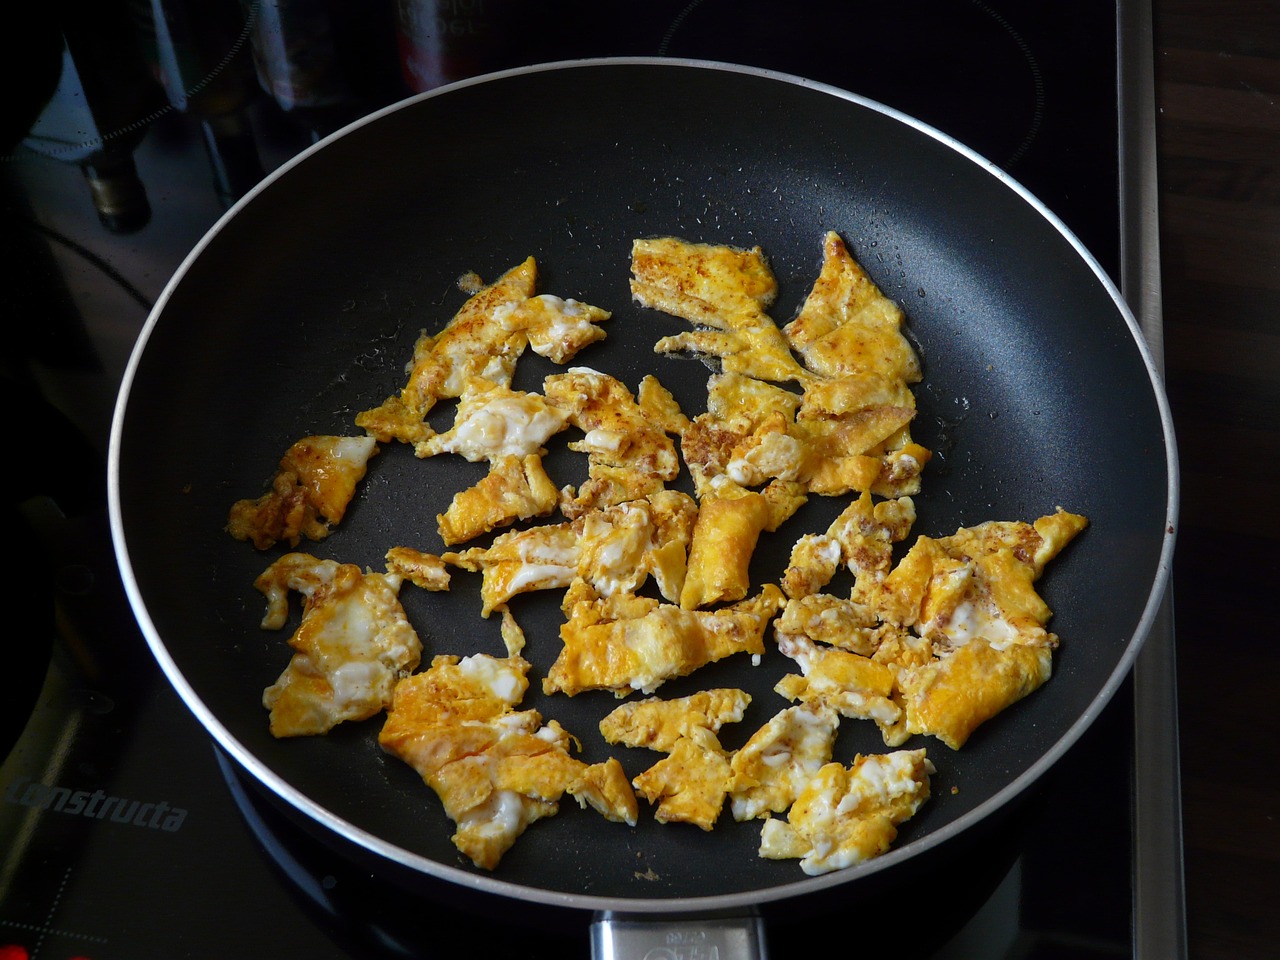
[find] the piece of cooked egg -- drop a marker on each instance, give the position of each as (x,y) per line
(310,492)
(773,766)
(626,643)
(353,645)
(496,770)
(846,815)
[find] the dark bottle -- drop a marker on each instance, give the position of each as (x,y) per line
(445,40)
(324,62)
(103,103)
(200,53)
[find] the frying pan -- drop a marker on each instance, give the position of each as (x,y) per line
(301,306)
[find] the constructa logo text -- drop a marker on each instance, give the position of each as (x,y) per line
(95,804)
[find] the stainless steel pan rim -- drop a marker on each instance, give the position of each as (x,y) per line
(495,885)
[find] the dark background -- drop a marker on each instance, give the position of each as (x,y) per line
(1217,78)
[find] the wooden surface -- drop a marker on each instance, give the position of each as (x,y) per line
(1218,96)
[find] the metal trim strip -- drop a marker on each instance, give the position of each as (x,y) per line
(1159,914)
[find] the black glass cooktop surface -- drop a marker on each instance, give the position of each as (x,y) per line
(123,831)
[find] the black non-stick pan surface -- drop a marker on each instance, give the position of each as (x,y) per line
(301,308)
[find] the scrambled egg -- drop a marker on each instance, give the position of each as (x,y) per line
(425,570)
(723,290)
(847,327)
(495,769)
(937,645)
(542,557)
(493,421)
(626,438)
(473,344)
(627,643)
(621,546)
(772,768)
(861,540)
(353,644)
(607,551)
(730,521)
(736,405)
(849,683)
(689,785)
(848,427)
(515,488)
(313,485)
(846,815)
(828,619)
(934,644)
(483,341)
(971,596)
(557,329)
(658,724)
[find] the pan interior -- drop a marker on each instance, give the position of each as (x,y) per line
(303,306)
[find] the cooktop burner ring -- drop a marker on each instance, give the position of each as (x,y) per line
(1013,87)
